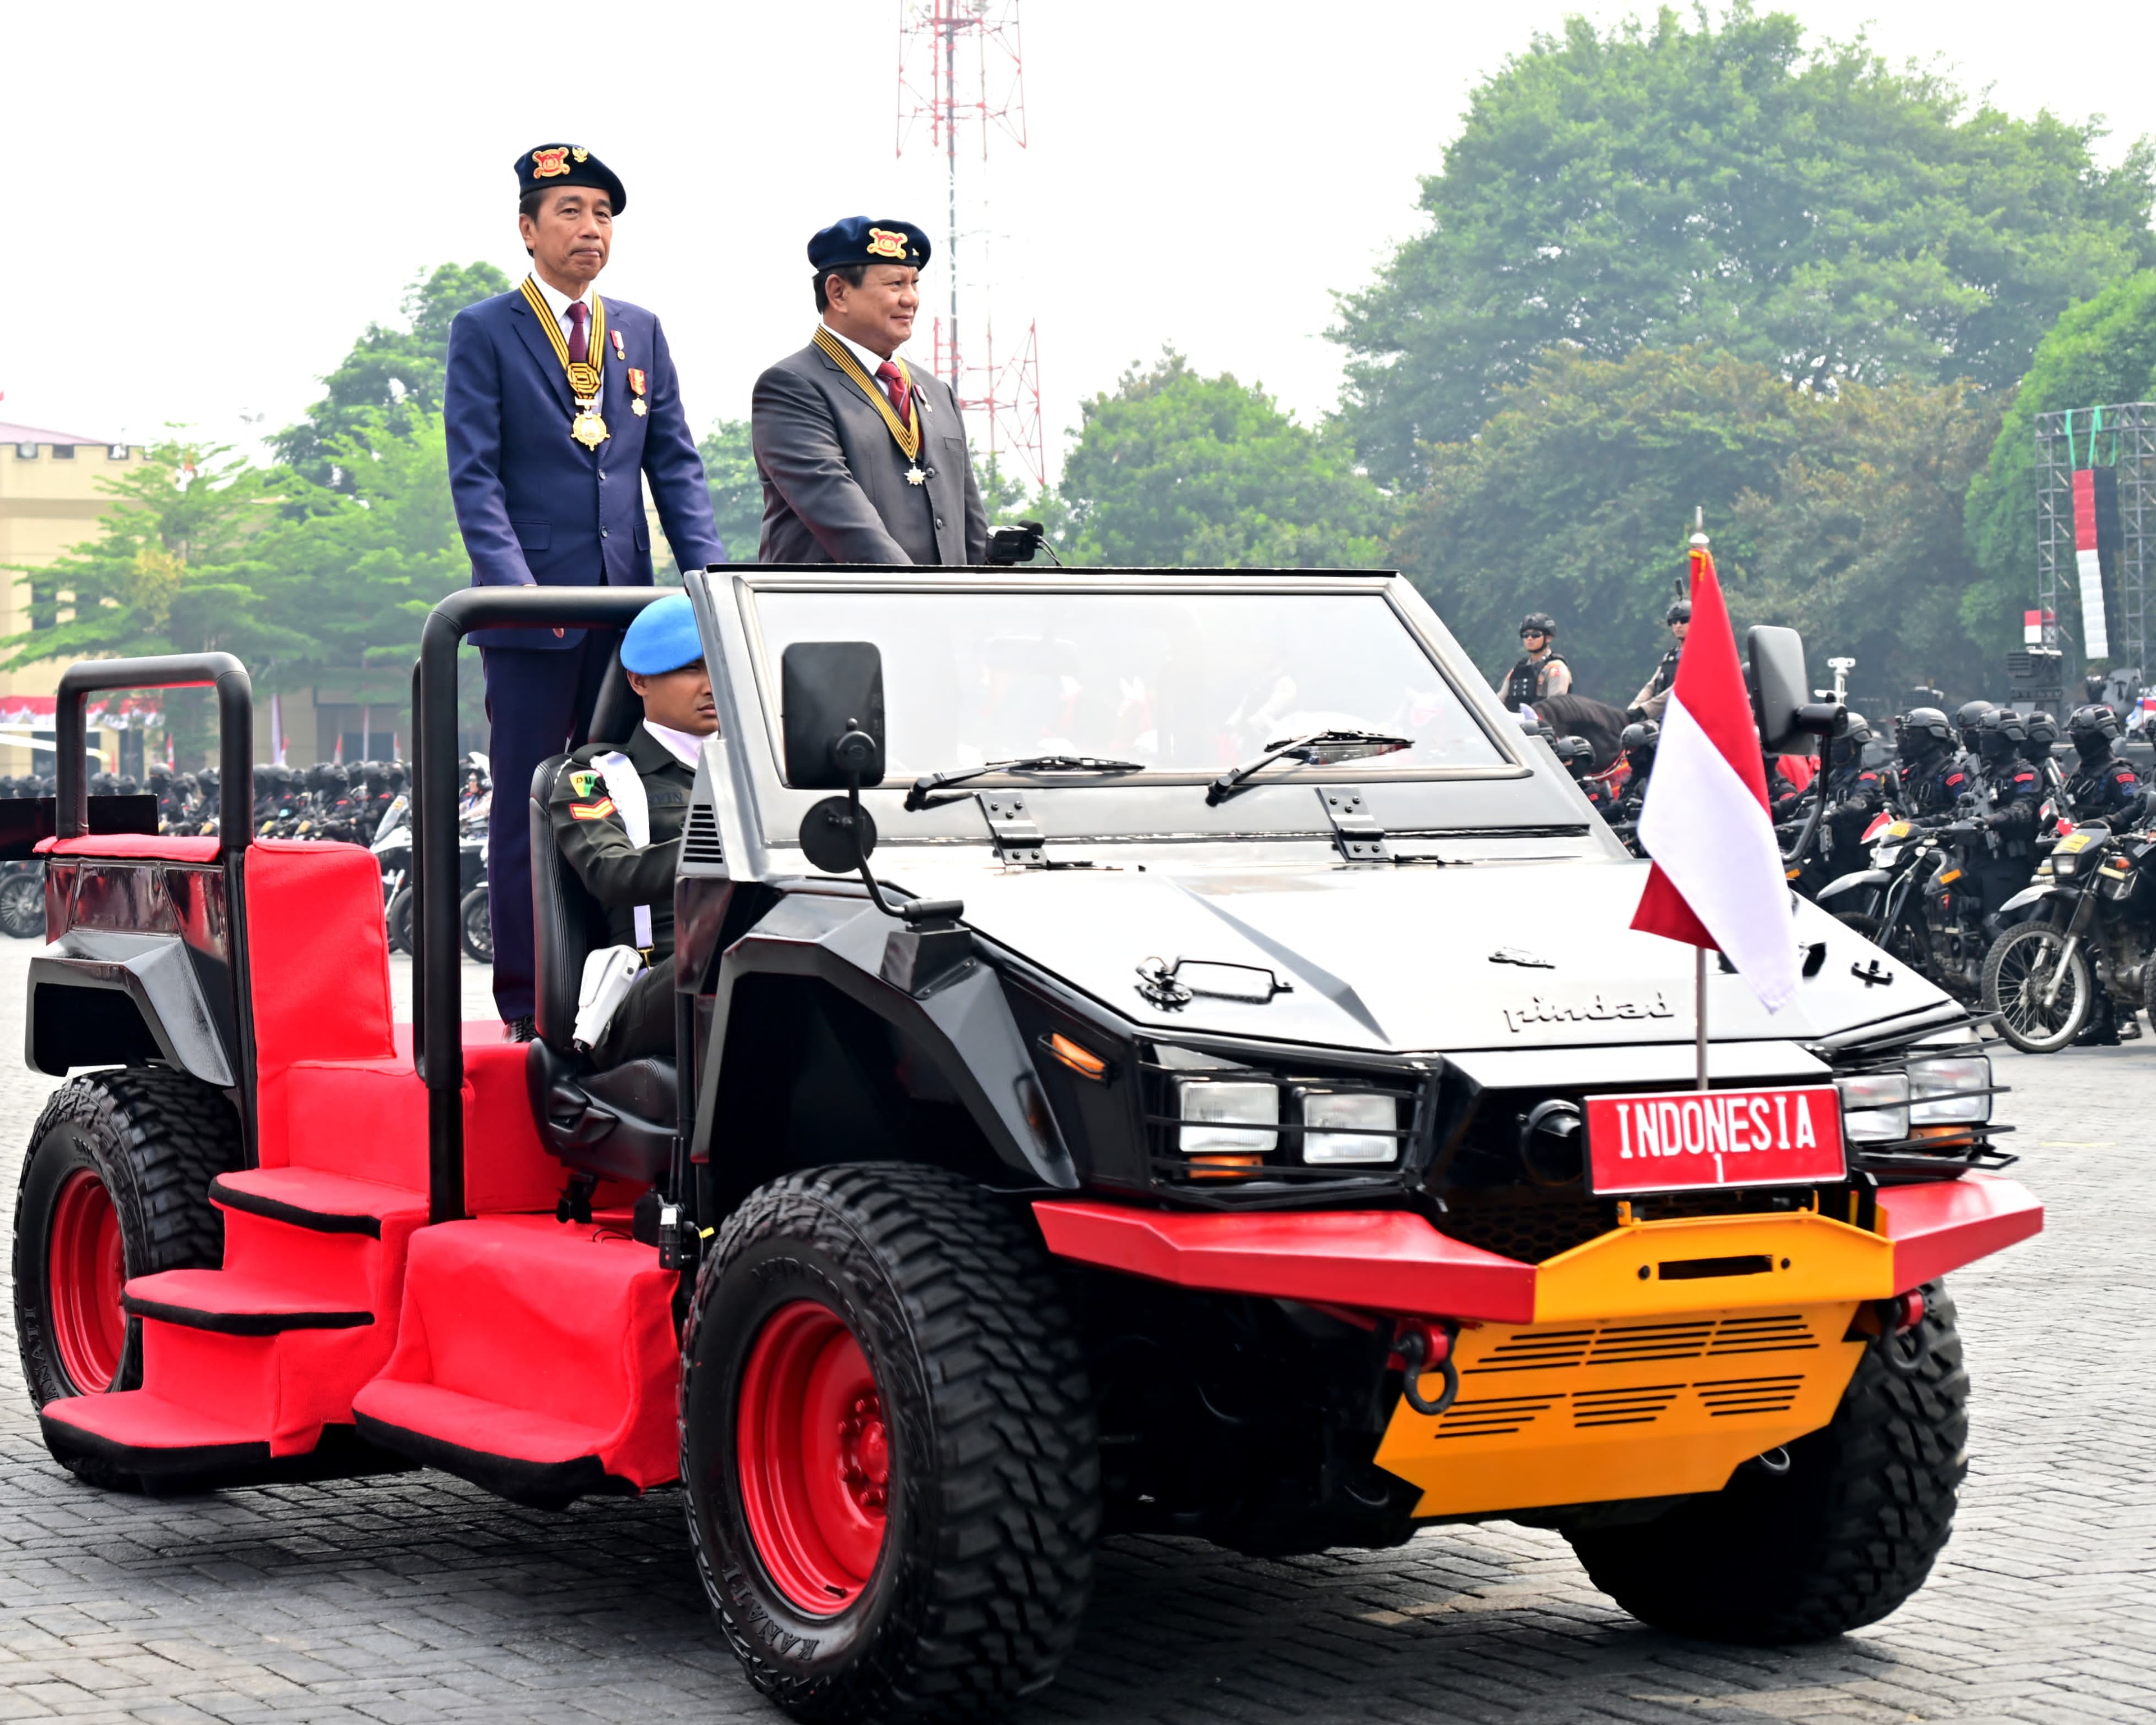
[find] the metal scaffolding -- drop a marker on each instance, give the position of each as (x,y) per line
(2121,436)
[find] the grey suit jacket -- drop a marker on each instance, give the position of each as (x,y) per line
(834,488)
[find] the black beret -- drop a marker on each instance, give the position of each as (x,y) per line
(567,164)
(859,239)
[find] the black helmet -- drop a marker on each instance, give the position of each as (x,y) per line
(1855,737)
(1968,720)
(1920,730)
(2042,734)
(1577,753)
(1999,731)
(1540,623)
(1640,739)
(1679,611)
(2093,729)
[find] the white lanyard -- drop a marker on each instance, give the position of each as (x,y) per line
(626,786)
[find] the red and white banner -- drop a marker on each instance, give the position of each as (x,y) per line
(1716,879)
(1678,1139)
(2088,565)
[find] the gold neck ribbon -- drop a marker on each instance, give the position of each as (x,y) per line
(908,436)
(583,374)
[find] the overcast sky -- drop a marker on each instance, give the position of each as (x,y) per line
(212,200)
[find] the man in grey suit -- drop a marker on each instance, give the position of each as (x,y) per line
(862,461)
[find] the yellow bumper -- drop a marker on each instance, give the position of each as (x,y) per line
(1661,1357)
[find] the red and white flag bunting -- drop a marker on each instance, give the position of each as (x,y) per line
(1717,879)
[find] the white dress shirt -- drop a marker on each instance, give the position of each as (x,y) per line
(870,360)
(559,303)
(683,745)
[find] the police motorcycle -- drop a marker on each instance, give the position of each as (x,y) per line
(391,845)
(1939,875)
(2083,952)
(23,882)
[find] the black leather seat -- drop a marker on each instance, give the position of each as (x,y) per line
(618,1123)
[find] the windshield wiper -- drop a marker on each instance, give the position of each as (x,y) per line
(1320,748)
(917,798)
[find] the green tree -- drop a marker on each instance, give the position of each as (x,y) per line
(2100,351)
(1812,210)
(1836,514)
(392,371)
(737,489)
(1176,469)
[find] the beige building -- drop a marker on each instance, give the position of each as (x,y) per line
(50,500)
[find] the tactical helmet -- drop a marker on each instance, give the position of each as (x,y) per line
(1679,611)
(1640,739)
(2043,732)
(1538,622)
(1999,731)
(1921,730)
(1968,720)
(1855,737)
(2093,729)
(1577,753)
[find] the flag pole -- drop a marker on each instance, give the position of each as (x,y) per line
(1699,954)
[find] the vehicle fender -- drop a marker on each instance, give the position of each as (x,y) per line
(102,997)
(2031,895)
(1864,879)
(959,1018)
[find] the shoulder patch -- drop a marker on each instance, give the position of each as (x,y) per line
(582,784)
(592,811)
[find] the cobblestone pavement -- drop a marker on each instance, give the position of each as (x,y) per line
(414,1597)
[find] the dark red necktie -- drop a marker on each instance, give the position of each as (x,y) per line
(580,347)
(887,373)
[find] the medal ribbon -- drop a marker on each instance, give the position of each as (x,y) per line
(583,375)
(908,437)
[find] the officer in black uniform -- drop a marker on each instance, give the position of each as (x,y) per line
(2000,844)
(1855,797)
(1541,668)
(2103,786)
(1578,755)
(635,882)
(1639,744)
(1653,694)
(1933,780)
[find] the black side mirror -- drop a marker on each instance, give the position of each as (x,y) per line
(831,695)
(1782,705)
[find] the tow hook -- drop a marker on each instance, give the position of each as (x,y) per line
(1902,1315)
(1423,1345)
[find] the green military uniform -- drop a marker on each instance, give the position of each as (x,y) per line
(593,840)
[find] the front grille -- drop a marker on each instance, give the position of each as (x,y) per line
(700,838)
(1498,1417)
(1593,1408)
(1728,1396)
(1624,1344)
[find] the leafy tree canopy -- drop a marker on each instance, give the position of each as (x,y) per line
(1839,515)
(2100,351)
(391,371)
(1176,469)
(1811,210)
(737,491)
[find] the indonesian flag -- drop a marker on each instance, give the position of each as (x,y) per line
(1717,879)
(2088,563)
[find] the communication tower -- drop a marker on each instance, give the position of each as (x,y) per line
(959,63)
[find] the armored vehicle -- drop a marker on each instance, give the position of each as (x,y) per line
(1153,1051)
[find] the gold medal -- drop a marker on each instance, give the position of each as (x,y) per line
(585,377)
(637,408)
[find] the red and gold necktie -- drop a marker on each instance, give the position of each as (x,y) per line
(894,388)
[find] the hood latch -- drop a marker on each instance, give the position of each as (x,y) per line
(1356,833)
(1011,826)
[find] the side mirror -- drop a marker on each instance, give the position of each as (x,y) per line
(1782,705)
(831,697)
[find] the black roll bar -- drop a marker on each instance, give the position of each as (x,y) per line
(438,1035)
(235,730)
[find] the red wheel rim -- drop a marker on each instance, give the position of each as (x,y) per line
(815,1458)
(84,1271)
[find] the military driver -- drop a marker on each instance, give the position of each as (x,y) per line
(623,853)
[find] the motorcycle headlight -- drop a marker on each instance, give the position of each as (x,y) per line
(1953,1091)
(1356,1126)
(1227,1115)
(1874,1108)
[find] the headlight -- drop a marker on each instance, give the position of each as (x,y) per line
(1361,1114)
(1955,1091)
(1875,1109)
(1227,1115)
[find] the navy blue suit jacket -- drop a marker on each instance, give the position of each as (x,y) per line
(535,506)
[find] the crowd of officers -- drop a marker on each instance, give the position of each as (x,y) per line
(327,800)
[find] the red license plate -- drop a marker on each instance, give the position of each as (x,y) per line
(1673,1141)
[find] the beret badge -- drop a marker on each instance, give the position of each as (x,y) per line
(550,164)
(884,244)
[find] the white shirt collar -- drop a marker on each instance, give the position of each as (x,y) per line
(869,358)
(559,302)
(683,745)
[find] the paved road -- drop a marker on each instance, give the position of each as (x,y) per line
(418,1597)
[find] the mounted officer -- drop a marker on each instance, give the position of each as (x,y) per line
(1653,694)
(560,407)
(862,461)
(2103,786)
(1541,668)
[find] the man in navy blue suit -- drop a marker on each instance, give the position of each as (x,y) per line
(560,406)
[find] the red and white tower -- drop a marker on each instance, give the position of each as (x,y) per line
(959,63)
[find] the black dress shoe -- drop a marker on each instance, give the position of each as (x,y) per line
(519,1029)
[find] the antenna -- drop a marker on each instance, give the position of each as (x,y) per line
(959,63)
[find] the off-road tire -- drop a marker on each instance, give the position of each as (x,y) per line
(2007,951)
(398,920)
(995,1495)
(475,925)
(1841,1539)
(22,904)
(155,1138)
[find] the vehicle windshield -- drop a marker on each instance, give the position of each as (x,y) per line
(1179,682)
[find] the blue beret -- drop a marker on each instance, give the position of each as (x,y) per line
(663,637)
(862,239)
(567,164)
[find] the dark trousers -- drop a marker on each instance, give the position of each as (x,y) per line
(644,1023)
(538,704)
